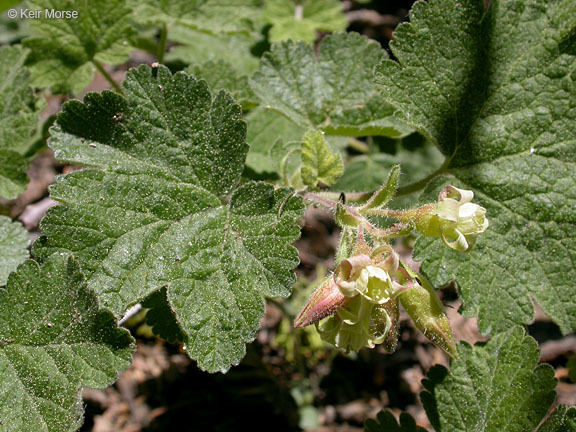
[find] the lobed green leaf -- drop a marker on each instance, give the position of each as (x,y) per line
(494,387)
(333,92)
(161,207)
(54,340)
(63,51)
(18,121)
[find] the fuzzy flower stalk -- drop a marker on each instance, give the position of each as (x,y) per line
(358,305)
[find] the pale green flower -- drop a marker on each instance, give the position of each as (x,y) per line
(455,219)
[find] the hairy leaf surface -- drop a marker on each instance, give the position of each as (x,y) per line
(54,340)
(162,208)
(18,120)
(267,129)
(299,20)
(221,75)
(495,89)
(13,247)
(213,16)
(63,50)
(495,387)
(334,92)
(563,419)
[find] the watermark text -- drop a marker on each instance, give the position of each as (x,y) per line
(42,13)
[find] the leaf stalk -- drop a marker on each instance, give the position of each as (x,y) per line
(106,75)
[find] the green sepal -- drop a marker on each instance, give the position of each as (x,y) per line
(343,218)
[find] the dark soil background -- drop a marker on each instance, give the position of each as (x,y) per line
(289,380)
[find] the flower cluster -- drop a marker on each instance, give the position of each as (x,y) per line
(361,300)
(358,305)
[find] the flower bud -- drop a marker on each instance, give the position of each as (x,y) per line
(454,218)
(324,301)
(427,312)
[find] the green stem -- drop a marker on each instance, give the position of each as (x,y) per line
(162,43)
(358,145)
(107,76)
(421,184)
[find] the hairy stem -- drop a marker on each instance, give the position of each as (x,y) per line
(325,202)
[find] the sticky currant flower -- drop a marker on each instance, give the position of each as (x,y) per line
(357,306)
(362,323)
(362,297)
(454,218)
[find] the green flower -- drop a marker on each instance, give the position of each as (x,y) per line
(358,306)
(362,323)
(454,218)
(362,299)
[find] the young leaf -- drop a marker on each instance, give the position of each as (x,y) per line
(385,422)
(334,92)
(162,208)
(495,89)
(299,20)
(64,52)
(18,121)
(54,340)
(319,162)
(221,75)
(496,387)
(13,247)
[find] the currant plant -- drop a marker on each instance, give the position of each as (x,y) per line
(194,182)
